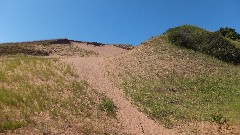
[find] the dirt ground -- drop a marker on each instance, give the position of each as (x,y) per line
(91,69)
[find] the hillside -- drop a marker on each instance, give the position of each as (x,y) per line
(185,81)
(60,47)
(179,87)
(65,91)
(42,95)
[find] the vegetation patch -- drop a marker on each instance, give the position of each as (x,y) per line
(43,95)
(10,126)
(228,33)
(177,99)
(204,41)
(21,49)
(175,85)
(108,107)
(43,49)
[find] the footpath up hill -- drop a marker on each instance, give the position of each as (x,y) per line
(66,93)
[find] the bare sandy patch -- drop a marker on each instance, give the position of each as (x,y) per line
(92,70)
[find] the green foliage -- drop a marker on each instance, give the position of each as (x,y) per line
(228,33)
(108,107)
(218,118)
(10,125)
(204,41)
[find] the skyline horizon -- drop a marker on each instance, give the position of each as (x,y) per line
(106,21)
(77,40)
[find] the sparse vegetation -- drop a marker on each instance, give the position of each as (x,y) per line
(173,78)
(176,85)
(42,48)
(68,50)
(44,94)
(124,46)
(21,49)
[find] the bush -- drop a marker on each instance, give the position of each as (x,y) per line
(204,41)
(228,33)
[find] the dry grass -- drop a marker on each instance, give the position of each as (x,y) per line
(43,96)
(236,43)
(67,50)
(178,86)
(40,49)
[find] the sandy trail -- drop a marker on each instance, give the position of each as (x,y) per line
(91,69)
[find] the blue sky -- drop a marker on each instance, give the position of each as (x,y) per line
(110,21)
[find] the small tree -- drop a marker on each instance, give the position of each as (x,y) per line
(228,33)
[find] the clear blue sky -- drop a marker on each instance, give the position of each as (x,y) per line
(110,21)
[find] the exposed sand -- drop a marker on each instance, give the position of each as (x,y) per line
(91,69)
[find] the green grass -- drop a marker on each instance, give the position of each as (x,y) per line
(176,98)
(10,125)
(10,97)
(34,87)
(2,76)
(175,85)
(108,107)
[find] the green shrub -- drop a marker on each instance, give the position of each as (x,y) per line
(204,41)
(228,33)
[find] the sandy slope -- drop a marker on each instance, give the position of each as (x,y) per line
(91,69)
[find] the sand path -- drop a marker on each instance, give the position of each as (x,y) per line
(91,69)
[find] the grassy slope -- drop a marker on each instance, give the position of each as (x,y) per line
(42,95)
(40,49)
(210,43)
(176,85)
